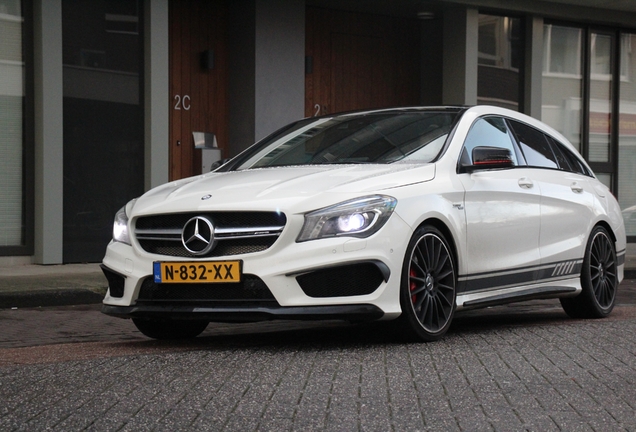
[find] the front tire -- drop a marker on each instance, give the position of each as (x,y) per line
(599,279)
(428,286)
(169,329)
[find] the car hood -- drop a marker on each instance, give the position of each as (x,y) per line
(278,187)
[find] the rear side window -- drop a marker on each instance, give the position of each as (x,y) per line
(568,160)
(534,145)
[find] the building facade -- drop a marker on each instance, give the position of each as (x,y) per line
(99,100)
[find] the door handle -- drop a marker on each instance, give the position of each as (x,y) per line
(576,188)
(525,183)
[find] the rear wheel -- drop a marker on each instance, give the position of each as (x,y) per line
(599,279)
(428,286)
(169,329)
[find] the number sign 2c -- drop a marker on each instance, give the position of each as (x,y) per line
(182,102)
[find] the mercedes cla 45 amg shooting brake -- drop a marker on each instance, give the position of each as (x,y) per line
(406,215)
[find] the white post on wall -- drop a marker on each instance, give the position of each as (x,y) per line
(461,31)
(156,93)
(49,137)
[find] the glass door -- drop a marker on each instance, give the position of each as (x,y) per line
(103,120)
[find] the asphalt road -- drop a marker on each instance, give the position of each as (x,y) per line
(520,367)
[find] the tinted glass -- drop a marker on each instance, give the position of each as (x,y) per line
(488,132)
(356,138)
(627,133)
(500,53)
(103,120)
(12,106)
(562,81)
(534,146)
(567,160)
(562,160)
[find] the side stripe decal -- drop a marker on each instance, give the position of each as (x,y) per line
(563,268)
(521,276)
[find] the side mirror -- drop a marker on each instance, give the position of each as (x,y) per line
(485,158)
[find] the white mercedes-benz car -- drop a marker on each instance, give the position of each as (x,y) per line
(400,214)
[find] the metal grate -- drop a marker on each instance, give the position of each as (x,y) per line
(252,288)
(343,281)
(236,233)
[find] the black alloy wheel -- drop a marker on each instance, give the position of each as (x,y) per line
(599,279)
(428,286)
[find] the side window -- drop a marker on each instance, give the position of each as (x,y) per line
(534,145)
(563,161)
(571,162)
(488,132)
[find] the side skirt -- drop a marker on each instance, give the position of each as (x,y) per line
(494,297)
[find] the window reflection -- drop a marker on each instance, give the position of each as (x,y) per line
(12,227)
(103,120)
(500,54)
(562,80)
(627,135)
(600,97)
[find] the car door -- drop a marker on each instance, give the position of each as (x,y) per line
(567,198)
(502,208)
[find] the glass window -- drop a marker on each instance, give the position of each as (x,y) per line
(562,82)
(356,138)
(562,160)
(600,97)
(12,103)
(103,120)
(627,135)
(500,48)
(488,132)
(534,145)
(561,50)
(566,159)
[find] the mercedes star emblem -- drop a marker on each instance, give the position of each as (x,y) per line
(198,235)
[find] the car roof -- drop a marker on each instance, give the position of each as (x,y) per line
(449,108)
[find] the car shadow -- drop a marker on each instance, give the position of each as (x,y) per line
(339,334)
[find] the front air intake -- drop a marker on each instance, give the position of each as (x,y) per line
(342,281)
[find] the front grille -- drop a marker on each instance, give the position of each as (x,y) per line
(236,233)
(343,281)
(251,289)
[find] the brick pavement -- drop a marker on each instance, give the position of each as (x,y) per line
(521,367)
(576,376)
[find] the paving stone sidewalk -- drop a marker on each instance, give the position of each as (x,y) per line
(548,376)
(519,367)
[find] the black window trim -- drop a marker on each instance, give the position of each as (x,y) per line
(560,146)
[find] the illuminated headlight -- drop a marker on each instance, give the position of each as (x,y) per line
(360,217)
(120,227)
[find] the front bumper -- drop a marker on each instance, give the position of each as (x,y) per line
(246,313)
(321,279)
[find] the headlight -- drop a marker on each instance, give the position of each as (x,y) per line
(120,226)
(360,217)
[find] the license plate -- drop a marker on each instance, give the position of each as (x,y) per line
(197,272)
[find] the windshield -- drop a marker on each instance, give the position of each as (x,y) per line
(380,138)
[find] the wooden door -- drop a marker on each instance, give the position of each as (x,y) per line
(359,61)
(198,87)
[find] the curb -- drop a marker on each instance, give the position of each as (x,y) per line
(44,298)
